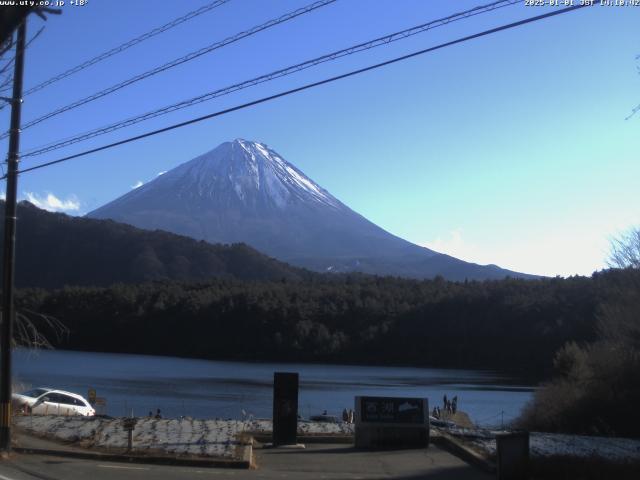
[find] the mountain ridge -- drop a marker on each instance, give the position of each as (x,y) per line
(244,191)
(55,249)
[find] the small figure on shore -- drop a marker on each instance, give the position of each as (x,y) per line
(434,413)
(350,415)
(444,401)
(150,414)
(345,416)
(324,412)
(158,415)
(454,404)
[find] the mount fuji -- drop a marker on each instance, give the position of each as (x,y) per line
(245,192)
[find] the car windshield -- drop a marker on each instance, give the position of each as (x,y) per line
(36,392)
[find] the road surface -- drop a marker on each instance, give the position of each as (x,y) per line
(318,461)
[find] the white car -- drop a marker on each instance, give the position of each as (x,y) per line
(48,401)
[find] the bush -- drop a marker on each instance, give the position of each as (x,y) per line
(597,386)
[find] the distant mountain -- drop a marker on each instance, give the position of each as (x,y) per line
(245,192)
(54,249)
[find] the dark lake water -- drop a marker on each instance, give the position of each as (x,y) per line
(215,389)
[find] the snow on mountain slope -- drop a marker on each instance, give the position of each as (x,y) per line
(248,171)
(244,191)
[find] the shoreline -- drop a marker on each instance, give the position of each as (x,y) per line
(524,380)
(210,389)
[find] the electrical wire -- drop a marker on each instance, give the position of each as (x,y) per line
(308,86)
(121,48)
(380,41)
(178,61)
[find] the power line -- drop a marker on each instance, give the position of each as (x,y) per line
(178,61)
(380,41)
(121,48)
(306,87)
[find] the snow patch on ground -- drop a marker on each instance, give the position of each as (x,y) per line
(545,445)
(210,438)
(304,427)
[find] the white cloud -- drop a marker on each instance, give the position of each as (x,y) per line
(138,184)
(52,203)
(3,196)
(162,173)
(454,245)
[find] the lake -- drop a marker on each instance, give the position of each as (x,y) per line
(218,389)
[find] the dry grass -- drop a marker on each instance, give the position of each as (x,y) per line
(459,418)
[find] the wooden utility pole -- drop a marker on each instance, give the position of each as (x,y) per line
(8,257)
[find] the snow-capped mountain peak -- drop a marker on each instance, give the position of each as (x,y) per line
(251,172)
(244,191)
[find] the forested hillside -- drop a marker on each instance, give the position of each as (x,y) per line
(501,324)
(53,250)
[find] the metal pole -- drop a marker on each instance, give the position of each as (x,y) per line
(8,258)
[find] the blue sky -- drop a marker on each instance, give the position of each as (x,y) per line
(511,149)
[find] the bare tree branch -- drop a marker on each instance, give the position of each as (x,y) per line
(29,328)
(625,250)
(635,109)
(6,46)
(6,82)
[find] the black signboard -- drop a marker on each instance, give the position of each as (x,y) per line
(391,410)
(285,408)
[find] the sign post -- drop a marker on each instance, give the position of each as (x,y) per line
(100,404)
(129,424)
(91,396)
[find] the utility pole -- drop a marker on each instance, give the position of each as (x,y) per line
(8,257)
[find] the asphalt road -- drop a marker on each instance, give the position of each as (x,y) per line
(317,461)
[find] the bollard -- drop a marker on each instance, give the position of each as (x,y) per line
(512,455)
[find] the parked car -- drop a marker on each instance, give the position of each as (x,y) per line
(49,401)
